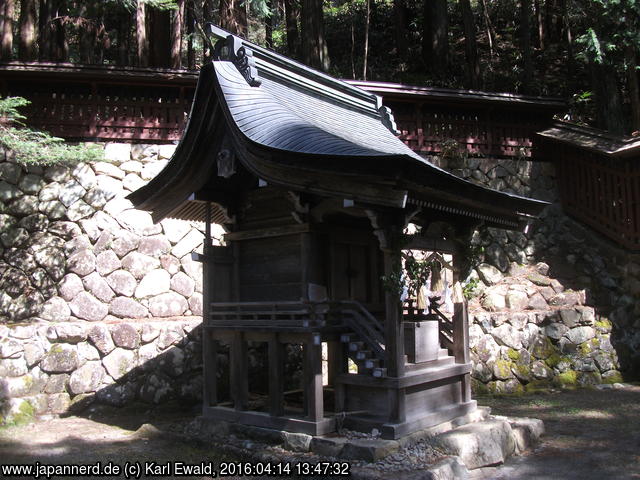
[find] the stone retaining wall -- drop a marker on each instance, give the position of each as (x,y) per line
(54,368)
(574,319)
(73,248)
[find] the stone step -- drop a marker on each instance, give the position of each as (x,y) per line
(372,363)
(491,441)
(348,337)
(363,354)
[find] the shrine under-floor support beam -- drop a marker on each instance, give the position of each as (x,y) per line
(239,371)
(314,403)
(276,376)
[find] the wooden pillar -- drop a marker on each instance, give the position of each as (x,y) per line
(313,379)
(337,360)
(305,263)
(396,401)
(461,344)
(209,345)
(210,372)
(338,364)
(394,333)
(239,372)
(461,332)
(276,376)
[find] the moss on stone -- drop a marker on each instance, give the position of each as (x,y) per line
(615,377)
(493,388)
(523,371)
(604,324)
(502,369)
(517,389)
(478,388)
(585,348)
(543,348)
(568,379)
(513,354)
(553,360)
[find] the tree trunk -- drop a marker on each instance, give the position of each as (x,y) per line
(571,77)
(353,49)
(400,16)
(160,31)
(553,16)
(60,52)
(489,27)
(634,89)
(608,100)
(366,40)
(471,48)
(292,12)
(27,22)
(314,45)
(541,25)
(176,38)
(124,36)
(87,35)
(268,23)
(191,57)
(141,35)
(44,30)
(207,16)
(525,45)
(233,17)
(6,29)
(435,40)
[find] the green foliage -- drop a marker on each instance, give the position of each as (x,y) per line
(470,287)
(35,147)
(394,282)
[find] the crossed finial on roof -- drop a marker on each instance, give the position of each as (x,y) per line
(240,56)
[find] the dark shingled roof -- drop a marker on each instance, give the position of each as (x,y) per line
(299,128)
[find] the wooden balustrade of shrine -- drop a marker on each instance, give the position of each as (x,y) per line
(150,105)
(598,178)
(102,103)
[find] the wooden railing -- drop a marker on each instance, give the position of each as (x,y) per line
(102,103)
(267,315)
(598,179)
(488,124)
(363,323)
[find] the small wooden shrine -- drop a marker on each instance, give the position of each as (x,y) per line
(306,174)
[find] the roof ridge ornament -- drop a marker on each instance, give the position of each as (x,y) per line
(232,49)
(386,116)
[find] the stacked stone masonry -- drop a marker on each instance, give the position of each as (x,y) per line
(73,248)
(556,305)
(552,306)
(68,366)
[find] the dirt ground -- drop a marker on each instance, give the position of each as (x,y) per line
(591,434)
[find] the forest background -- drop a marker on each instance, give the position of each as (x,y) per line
(586,51)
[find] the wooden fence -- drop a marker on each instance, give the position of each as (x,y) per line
(495,125)
(598,179)
(151,105)
(102,103)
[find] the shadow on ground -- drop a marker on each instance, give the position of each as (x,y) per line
(590,435)
(144,437)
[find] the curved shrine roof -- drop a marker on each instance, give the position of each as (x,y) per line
(301,129)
